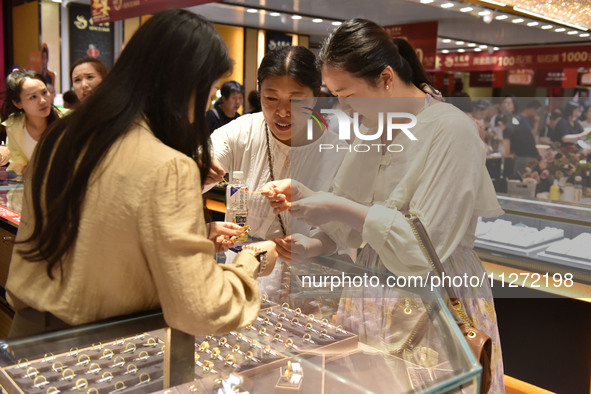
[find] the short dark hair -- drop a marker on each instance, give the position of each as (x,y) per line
(230,87)
(98,65)
(70,97)
(535,104)
(364,49)
(296,62)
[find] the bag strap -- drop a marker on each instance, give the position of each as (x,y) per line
(431,254)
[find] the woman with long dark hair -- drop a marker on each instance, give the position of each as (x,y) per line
(113,218)
(439,176)
(27,112)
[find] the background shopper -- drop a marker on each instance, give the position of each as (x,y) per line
(86,74)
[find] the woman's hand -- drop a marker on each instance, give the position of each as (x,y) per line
(4,156)
(283,192)
(297,247)
(223,234)
(270,256)
(216,173)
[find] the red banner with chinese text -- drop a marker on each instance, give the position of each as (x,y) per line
(113,10)
(422,36)
(572,56)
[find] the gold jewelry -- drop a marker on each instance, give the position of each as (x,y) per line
(324,323)
(131,368)
(269,311)
(81,384)
(94,368)
(118,361)
(282,316)
(84,359)
(106,377)
(207,366)
(248,355)
(236,349)
(222,341)
(143,356)
(285,306)
(119,385)
(278,326)
(204,346)
(92,390)
(40,381)
(57,366)
(130,347)
(295,321)
(152,342)
(107,353)
(48,357)
(144,377)
(263,331)
(277,337)
(31,372)
(215,353)
(68,374)
(310,317)
(289,343)
(197,357)
(230,360)
(264,298)
(297,312)
(307,338)
(239,337)
(52,390)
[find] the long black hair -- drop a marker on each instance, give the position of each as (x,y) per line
(364,49)
(170,61)
(296,62)
(14,88)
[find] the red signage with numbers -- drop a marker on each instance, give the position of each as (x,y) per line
(113,10)
(511,59)
(422,36)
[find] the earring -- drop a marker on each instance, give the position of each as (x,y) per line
(387,87)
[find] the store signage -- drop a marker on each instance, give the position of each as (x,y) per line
(422,36)
(114,10)
(274,40)
(524,77)
(522,58)
(10,215)
(88,39)
(586,78)
(482,79)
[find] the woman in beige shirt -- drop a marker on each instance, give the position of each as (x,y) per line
(112,221)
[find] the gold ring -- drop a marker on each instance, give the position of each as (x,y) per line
(239,337)
(81,384)
(52,390)
(118,361)
(323,332)
(96,347)
(236,349)
(84,359)
(207,366)
(339,328)
(57,366)
(218,381)
(311,317)
(22,362)
(309,326)
(92,390)
(264,298)
(215,353)
(289,343)
(277,337)
(120,341)
(68,375)
(204,346)
(324,323)
(152,342)
(248,327)
(48,357)
(282,316)
(248,355)
(222,341)
(131,368)
(40,381)
(295,321)
(197,357)
(269,311)
(108,354)
(262,331)
(267,349)
(307,338)
(73,352)
(94,368)
(107,376)
(31,372)
(266,321)
(143,356)
(285,306)
(208,337)
(229,360)
(145,377)
(119,385)
(298,311)
(131,346)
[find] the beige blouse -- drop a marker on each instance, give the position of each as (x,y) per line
(142,244)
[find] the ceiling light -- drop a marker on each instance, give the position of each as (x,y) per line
(252,10)
(530,24)
(560,30)
(583,35)
(546,27)
(274,13)
(471,45)
(483,13)
(483,46)
(495,48)
(446,41)
(459,42)
(501,17)
(447,5)
(572,32)
(494,2)
(466,9)
(518,20)
(445,51)
(316,20)
(477,49)
(462,50)
(336,23)
(427,1)
(296,17)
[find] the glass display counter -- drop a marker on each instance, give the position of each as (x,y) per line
(296,346)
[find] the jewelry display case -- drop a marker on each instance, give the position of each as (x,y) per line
(286,349)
